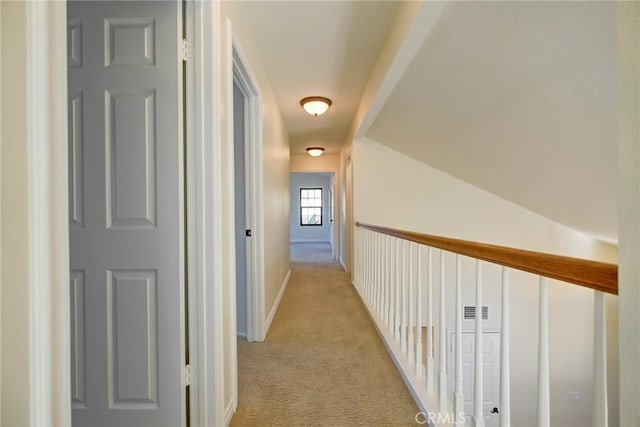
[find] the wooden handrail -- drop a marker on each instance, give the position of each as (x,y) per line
(599,276)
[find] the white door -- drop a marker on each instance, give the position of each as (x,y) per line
(490,374)
(126,201)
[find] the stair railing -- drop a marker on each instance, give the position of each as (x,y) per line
(394,275)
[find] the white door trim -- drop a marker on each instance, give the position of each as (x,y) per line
(205,212)
(242,75)
(47,226)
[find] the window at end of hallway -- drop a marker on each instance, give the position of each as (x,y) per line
(311,206)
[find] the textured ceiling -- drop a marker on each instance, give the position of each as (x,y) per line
(517,98)
(325,48)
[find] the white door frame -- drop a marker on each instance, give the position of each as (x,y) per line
(43,397)
(205,184)
(45,148)
(242,76)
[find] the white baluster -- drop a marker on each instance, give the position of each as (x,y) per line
(392,284)
(458,395)
(442,375)
(391,291)
(361,258)
(367,263)
(418,362)
(505,375)
(430,361)
(374,290)
(410,306)
(544,414)
(398,287)
(363,255)
(365,258)
(356,259)
(600,406)
(385,289)
(478,416)
(371,266)
(403,315)
(380,275)
(372,249)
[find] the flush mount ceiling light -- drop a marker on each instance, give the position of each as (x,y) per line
(315,105)
(315,151)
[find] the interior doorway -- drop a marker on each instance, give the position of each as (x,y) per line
(312,216)
(242,232)
(249,298)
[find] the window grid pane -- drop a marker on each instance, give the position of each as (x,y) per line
(311,206)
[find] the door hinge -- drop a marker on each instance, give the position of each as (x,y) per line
(187,375)
(185,50)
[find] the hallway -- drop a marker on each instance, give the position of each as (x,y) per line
(322,362)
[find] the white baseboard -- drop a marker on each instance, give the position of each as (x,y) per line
(229,411)
(344,267)
(276,304)
(417,390)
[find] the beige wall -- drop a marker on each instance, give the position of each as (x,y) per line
(393,190)
(306,163)
(380,80)
(1,105)
(15,268)
(628,101)
(275,182)
(345,212)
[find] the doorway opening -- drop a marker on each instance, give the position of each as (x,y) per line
(249,301)
(311,227)
(242,231)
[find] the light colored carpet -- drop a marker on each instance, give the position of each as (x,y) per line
(322,363)
(320,253)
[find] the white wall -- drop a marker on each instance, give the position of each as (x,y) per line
(316,233)
(345,216)
(307,163)
(275,183)
(15,268)
(325,163)
(34,249)
(403,38)
(393,190)
(1,106)
(628,101)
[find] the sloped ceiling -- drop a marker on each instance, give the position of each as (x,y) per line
(325,48)
(517,98)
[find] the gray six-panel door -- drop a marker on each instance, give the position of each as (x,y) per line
(126,198)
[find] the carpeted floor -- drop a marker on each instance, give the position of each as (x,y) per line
(322,363)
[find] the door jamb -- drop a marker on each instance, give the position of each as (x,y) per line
(253,194)
(205,184)
(46,229)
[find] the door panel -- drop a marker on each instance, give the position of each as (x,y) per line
(490,373)
(125,200)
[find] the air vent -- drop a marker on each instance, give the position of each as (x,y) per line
(470,312)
